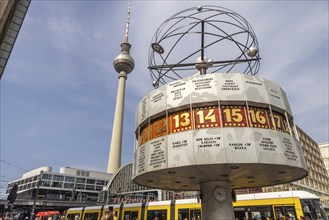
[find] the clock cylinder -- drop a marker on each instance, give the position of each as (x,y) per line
(216,127)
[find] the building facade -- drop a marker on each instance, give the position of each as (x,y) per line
(317,181)
(324,149)
(12,14)
(69,184)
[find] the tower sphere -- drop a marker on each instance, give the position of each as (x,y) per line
(124,62)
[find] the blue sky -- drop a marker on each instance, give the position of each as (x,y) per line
(59,88)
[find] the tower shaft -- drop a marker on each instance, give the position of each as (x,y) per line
(116,141)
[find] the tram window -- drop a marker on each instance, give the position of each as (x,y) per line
(290,213)
(128,215)
(91,216)
(241,213)
(134,215)
(195,214)
(285,212)
(72,216)
(183,214)
(189,214)
(312,209)
(157,215)
(261,212)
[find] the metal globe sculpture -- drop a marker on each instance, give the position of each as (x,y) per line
(213,132)
(224,36)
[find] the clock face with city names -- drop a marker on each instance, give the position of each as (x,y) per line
(220,194)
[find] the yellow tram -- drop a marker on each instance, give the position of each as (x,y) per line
(259,206)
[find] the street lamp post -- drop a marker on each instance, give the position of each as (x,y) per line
(36,195)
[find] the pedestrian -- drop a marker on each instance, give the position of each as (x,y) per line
(108,215)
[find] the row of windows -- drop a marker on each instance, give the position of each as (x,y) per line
(71,186)
(83,173)
(313,183)
(23,181)
(72,179)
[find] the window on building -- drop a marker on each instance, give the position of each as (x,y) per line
(47,176)
(70,179)
(80,186)
(99,188)
(100,182)
(58,178)
(81,180)
(57,184)
(91,181)
(45,183)
(69,185)
(90,187)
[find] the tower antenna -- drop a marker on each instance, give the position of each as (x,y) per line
(127,22)
(123,65)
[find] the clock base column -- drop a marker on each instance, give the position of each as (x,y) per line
(216,200)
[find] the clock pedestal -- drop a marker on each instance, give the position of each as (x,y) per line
(216,200)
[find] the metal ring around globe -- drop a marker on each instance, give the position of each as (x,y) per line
(216,32)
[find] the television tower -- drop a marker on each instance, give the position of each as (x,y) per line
(123,64)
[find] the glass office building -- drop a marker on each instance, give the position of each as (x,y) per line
(69,184)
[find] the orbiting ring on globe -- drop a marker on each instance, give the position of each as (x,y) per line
(225,39)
